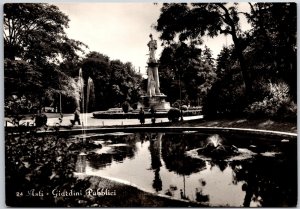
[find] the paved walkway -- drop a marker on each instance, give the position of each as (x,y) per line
(89,120)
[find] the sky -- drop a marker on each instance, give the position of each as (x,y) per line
(121,30)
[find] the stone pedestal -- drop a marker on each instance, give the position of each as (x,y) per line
(153,84)
(158,102)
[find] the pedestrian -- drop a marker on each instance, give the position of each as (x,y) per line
(142,116)
(77,117)
(152,111)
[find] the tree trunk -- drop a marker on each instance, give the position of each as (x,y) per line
(244,67)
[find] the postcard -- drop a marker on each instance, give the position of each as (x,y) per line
(150,104)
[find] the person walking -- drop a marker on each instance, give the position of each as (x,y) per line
(152,111)
(77,117)
(142,116)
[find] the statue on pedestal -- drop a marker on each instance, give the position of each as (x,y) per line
(152,44)
(153,80)
(154,100)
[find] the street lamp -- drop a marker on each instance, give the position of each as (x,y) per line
(60,103)
(180,106)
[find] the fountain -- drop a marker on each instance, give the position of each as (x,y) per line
(215,149)
(84,108)
(83,103)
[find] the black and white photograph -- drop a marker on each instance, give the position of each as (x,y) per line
(143,104)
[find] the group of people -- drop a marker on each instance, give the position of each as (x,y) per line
(142,115)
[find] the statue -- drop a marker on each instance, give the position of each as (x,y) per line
(154,99)
(153,80)
(152,47)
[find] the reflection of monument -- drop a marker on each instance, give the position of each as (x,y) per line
(154,97)
(155,152)
(81,163)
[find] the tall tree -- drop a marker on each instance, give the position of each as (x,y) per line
(35,43)
(196,20)
(35,33)
(114,81)
(186,68)
(97,67)
(272,52)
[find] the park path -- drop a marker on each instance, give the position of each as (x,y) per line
(90,121)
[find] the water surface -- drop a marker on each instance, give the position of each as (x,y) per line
(263,173)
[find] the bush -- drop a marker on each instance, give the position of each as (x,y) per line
(173,114)
(126,107)
(41,120)
(176,105)
(276,103)
(226,97)
(41,163)
(184,107)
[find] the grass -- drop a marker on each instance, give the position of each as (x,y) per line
(262,124)
(128,196)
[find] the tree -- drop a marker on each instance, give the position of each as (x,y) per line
(272,53)
(114,81)
(34,36)
(190,22)
(258,60)
(226,95)
(126,83)
(21,79)
(188,69)
(96,66)
(35,33)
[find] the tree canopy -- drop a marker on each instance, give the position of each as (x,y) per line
(260,60)
(35,43)
(114,81)
(35,33)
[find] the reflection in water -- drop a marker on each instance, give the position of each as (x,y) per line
(159,163)
(81,163)
(155,152)
(117,148)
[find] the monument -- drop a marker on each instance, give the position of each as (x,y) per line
(154,98)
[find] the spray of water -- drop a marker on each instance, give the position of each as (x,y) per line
(90,85)
(215,140)
(83,103)
(83,106)
(81,100)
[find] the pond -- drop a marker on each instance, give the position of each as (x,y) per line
(261,172)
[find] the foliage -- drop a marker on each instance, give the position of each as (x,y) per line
(174,114)
(15,105)
(35,33)
(125,107)
(21,79)
(114,81)
(187,69)
(226,97)
(192,21)
(40,120)
(40,163)
(35,43)
(272,51)
(276,102)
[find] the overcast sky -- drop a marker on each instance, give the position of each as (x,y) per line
(121,30)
